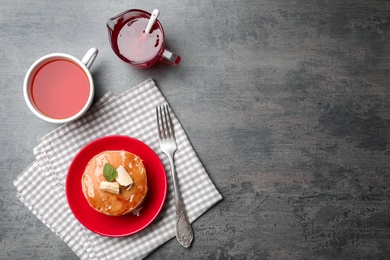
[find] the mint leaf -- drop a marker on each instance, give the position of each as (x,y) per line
(109,172)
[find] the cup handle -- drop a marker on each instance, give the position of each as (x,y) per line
(90,57)
(170,57)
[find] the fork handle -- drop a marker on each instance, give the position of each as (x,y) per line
(184,232)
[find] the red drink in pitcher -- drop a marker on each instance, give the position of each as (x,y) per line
(137,46)
(132,44)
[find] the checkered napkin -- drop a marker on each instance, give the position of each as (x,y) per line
(41,187)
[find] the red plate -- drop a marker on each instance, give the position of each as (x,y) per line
(110,225)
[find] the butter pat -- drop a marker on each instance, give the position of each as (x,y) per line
(112,187)
(123,178)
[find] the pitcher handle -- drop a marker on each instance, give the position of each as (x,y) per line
(170,57)
(90,57)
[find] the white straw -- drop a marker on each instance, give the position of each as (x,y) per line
(152,20)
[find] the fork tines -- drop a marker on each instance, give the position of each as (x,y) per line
(164,123)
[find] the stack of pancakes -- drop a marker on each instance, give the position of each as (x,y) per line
(129,198)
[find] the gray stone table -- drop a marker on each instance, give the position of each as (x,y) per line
(286,103)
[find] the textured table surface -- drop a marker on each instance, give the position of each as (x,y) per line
(286,103)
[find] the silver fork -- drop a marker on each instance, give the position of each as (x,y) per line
(168,146)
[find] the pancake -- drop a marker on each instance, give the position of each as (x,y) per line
(129,198)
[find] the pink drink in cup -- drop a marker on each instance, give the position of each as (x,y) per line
(132,44)
(59,88)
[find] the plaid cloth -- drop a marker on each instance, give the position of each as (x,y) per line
(41,187)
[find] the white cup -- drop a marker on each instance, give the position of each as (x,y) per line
(84,64)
